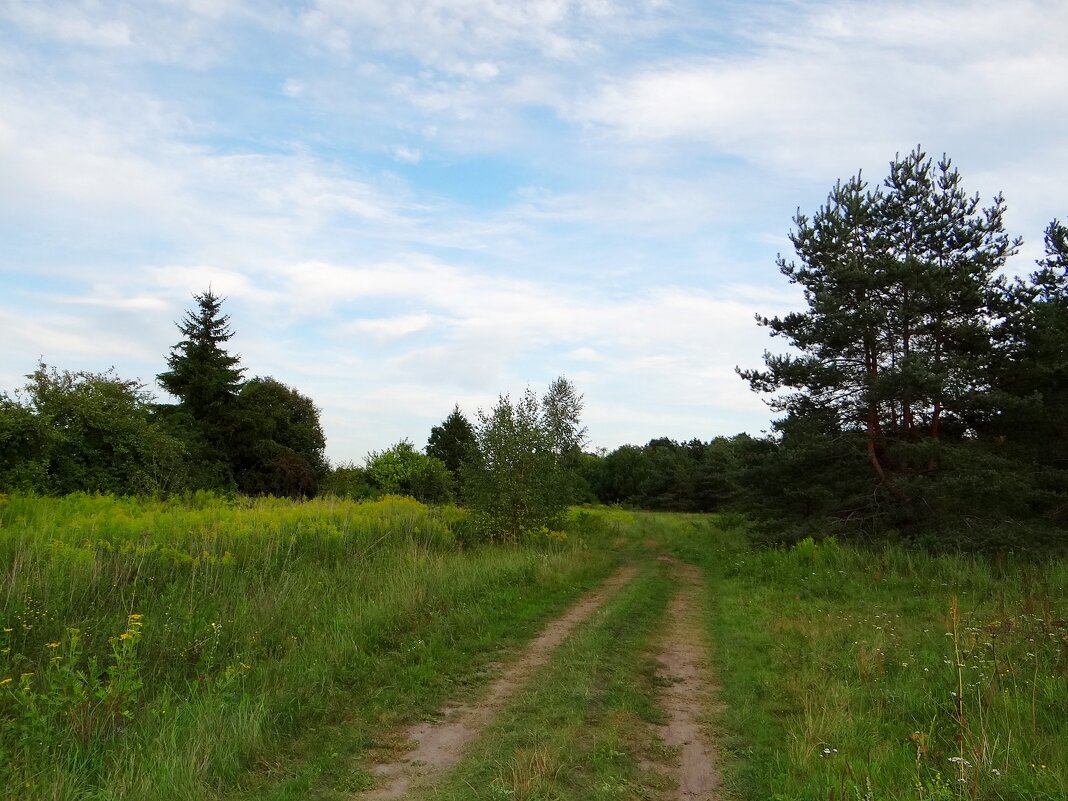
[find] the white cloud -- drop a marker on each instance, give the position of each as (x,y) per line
(407,155)
(485,71)
(451,34)
(190,33)
(390,328)
(69,24)
(850,83)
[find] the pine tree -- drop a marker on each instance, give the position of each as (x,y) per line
(895,342)
(841,337)
(1032,365)
(944,252)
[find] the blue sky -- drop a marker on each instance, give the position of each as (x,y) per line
(413,204)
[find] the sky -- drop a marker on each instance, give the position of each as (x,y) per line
(410,205)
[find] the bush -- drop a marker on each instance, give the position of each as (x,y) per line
(402,470)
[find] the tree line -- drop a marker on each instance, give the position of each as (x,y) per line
(67,432)
(923,396)
(515,467)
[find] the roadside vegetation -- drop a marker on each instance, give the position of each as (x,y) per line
(168,649)
(891,674)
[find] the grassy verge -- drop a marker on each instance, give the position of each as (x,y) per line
(581,731)
(856,674)
(235,648)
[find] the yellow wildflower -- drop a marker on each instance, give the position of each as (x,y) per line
(53,645)
(8,680)
(136,617)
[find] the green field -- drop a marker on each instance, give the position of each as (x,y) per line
(263,649)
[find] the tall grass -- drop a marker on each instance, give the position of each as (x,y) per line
(888,674)
(170,649)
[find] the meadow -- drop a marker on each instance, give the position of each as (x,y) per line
(215,648)
(889,674)
(202,647)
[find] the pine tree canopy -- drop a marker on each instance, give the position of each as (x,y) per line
(900,284)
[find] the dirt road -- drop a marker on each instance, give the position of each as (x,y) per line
(437,746)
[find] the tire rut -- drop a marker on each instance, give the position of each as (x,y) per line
(683,669)
(438,745)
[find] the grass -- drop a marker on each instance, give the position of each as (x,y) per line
(885,674)
(581,730)
(234,649)
(191,650)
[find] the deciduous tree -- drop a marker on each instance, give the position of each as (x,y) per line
(86,432)
(278,445)
(519,482)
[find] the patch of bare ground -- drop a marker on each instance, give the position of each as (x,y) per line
(434,747)
(683,669)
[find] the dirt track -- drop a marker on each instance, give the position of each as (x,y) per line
(438,745)
(683,668)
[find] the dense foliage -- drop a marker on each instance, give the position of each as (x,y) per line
(278,447)
(692,476)
(87,432)
(453,442)
(925,395)
(915,365)
(402,470)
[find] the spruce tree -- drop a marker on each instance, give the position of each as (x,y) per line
(202,375)
(453,442)
(206,379)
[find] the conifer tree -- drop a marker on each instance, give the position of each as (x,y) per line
(202,375)
(206,379)
(453,442)
(895,341)
(1032,365)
